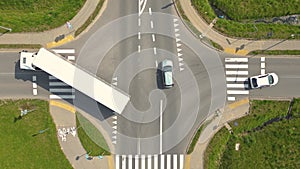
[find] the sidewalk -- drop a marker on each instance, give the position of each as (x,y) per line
(231,45)
(49,36)
(72,148)
(230,112)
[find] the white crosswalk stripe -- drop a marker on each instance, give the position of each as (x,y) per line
(163,161)
(236,77)
(59,89)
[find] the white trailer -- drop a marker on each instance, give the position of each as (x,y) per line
(77,77)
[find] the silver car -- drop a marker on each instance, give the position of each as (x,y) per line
(167,73)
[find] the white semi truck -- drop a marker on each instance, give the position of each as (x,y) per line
(73,75)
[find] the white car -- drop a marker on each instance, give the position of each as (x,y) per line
(167,73)
(265,80)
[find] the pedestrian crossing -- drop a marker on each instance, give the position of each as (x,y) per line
(59,89)
(162,161)
(236,77)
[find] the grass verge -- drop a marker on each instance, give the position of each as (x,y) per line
(195,140)
(90,19)
(21,46)
(275,52)
(37,15)
(246,30)
(90,138)
(22,146)
(274,145)
(193,29)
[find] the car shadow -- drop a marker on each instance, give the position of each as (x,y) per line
(159,80)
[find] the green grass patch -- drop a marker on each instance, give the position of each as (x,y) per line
(234,28)
(261,111)
(90,137)
(195,140)
(253,9)
(216,148)
(275,52)
(274,146)
(37,15)
(90,19)
(19,148)
(21,46)
(216,45)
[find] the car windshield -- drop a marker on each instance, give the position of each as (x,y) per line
(271,80)
(254,82)
(167,68)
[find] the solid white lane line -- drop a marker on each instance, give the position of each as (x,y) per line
(66,51)
(236,59)
(155,166)
(237,92)
(236,79)
(168,161)
(117,161)
(231,98)
(181,160)
(153,37)
(162,161)
(129,161)
(175,161)
(262,71)
(263,65)
(57,84)
(61,90)
(139,21)
(154,50)
(236,72)
(237,86)
(160,126)
(149,161)
(262,59)
(123,162)
(237,66)
(139,48)
(150,11)
(139,35)
(151,24)
(143,162)
(136,162)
